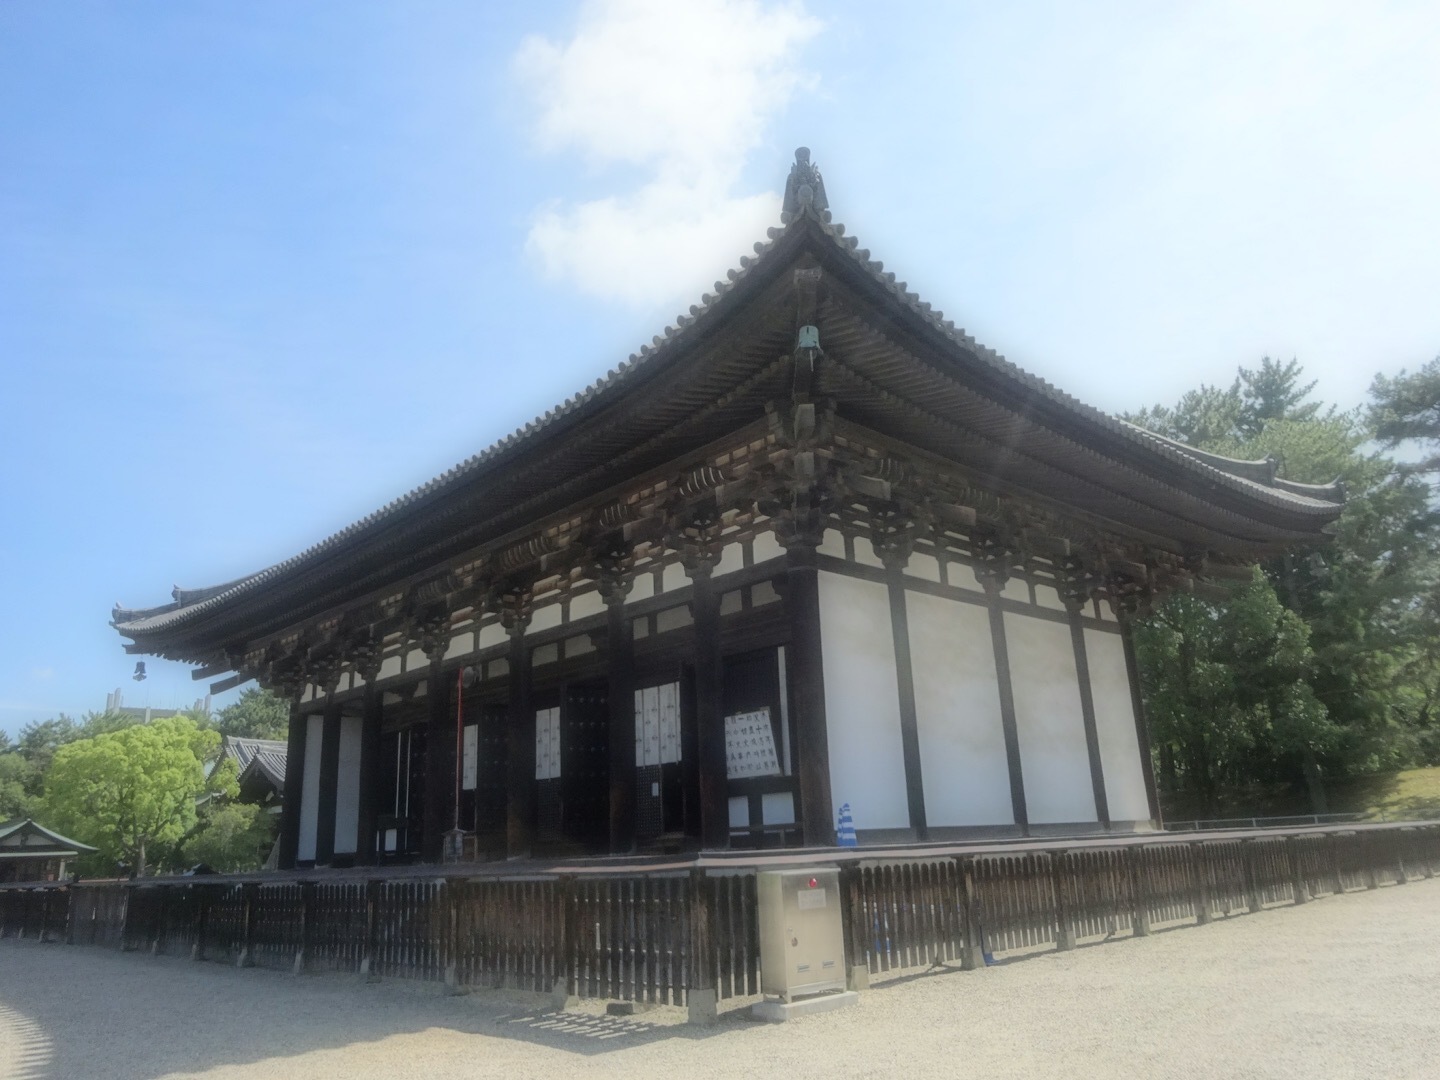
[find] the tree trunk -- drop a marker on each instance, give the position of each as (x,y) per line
(140,859)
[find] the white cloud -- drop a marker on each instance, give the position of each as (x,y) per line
(683,92)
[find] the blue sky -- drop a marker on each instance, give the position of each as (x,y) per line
(265,266)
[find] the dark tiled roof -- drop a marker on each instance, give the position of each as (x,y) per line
(268,762)
(50,841)
(1254,480)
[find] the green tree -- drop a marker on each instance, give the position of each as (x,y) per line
(132,792)
(17,798)
(230,837)
(1407,409)
(1227,693)
(1362,595)
(258,714)
(39,739)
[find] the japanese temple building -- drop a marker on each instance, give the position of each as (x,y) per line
(812,547)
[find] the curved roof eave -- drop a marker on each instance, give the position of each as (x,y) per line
(1320,500)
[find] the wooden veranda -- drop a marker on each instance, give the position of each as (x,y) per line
(684,930)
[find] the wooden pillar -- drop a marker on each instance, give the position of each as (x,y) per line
(369,959)
(973,955)
(905,681)
(1064,920)
(294,782)
(371,751)
(307,926)
(1075,604)
(329,783)
(709,707)
(249,898)
(439,802)
(701,994)
(1252,876)
(620,695)
(1200,865)
(805,677)
(519,750)
(1139,890)
(992,578)
(1142,729)
(1299,886)
(689,755)
(201,898)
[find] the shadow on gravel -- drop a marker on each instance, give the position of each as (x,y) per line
(131,1017)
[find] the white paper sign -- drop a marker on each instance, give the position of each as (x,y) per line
(657,724)
(547,744)
(750,745)
(470,760)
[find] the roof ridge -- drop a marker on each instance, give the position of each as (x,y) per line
(804,201)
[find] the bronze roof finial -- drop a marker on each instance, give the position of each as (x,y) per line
(803,187)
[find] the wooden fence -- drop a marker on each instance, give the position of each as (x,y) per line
(655,936)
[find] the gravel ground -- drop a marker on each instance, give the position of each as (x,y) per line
(1344,987)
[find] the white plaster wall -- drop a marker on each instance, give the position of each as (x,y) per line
(389,666)
(544,618)
(461,643)
(492,634)
(1115,726)
(765,547)
(957,707)
(832,543)
(865,553)
(585,604)
(310,787)
(347,787)
(1047,596)
(1053,757)
(778,807)
(732,558)
(962,576)
(674,577)
(862,702)
(642,588)
(1016,589)
(923,565)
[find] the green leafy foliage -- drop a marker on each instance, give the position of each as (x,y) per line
(258,714)
(17,778)
(230,837)
(1407,409)
(1360,695)
(132,792)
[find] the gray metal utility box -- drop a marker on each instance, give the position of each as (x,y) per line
(802,939)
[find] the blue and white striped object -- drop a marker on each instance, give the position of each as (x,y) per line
(845,834)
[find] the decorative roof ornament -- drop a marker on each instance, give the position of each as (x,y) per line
(803,187)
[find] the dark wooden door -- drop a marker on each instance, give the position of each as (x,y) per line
(585,766)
